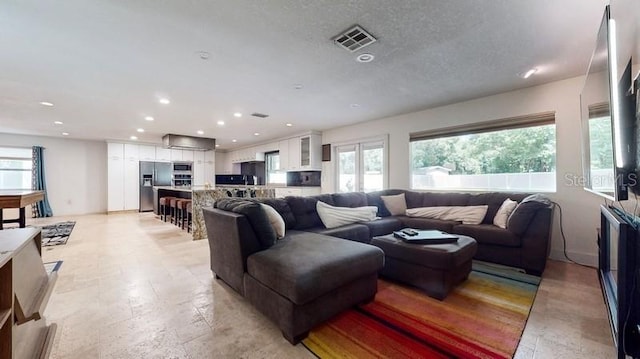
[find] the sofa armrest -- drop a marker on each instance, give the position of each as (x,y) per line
(231,241)
(536,241)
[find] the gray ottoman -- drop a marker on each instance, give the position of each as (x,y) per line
(434,268)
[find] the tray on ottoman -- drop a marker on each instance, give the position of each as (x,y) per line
(434,268)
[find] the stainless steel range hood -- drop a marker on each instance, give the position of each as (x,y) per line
(188,142)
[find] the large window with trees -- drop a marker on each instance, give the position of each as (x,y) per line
(15,168)
(517,154)
(361,166)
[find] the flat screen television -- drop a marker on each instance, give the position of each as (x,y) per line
(619,262)
(608,124)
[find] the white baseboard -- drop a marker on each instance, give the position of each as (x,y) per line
(582,258)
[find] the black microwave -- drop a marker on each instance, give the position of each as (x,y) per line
(182,166)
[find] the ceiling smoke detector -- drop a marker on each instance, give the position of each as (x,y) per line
(354,39)
(261,115)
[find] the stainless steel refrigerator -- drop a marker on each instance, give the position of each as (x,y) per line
(152,174)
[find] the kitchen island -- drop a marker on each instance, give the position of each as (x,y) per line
(201,197)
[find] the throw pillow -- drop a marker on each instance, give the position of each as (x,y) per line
(255,215)
(396,205)
(332,216)
(464,214)
(276,220)
(504,212)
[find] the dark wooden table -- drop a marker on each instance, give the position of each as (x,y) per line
(18,199)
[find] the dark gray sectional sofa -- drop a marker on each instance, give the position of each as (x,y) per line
(313,273)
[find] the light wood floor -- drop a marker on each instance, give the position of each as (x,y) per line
(132,286)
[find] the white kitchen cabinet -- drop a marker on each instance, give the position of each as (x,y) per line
(163,154)
(176,155)
(131,183)
(188,155)
(283,148)
(210,167)
(294,154)
(297,191)
(311,152)
(223,164)
(131,151)
(311,191)
(115,177)
(147,153)
(198,168)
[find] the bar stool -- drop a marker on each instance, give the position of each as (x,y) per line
(165,206)
(174,210)
(181,214)
(189,216)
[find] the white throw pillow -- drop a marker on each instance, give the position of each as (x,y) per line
(396,204)
(504,212)
(332,216)
(275,219)
(464,214)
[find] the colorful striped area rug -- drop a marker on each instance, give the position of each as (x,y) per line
(482,318)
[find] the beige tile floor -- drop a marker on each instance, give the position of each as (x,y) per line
(132,286)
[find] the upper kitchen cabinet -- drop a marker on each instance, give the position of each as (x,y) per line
(247,155)
(188,155)
(198,168)
(283,148)
(303,153)
(176,155)
(147,153)
(163,154)
(210,167)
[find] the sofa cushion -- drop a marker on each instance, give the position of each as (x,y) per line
(255,215)
(436,199)
(332,216)
(374,199)
(396,204)
(282,207)
(304,210)
(383,226)
(356,232)
(488,234)
(350,199)
(464,214)
(525,211)
(414,199)
(304,266)
(427,223)
(494,200)
(277,223)
(504,212)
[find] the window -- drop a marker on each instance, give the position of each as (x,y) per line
(517,154)
(272,164)
(15,168)
(361,166)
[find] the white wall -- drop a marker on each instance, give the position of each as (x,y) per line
(580,208)
(75,170)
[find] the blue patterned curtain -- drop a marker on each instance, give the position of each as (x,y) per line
(41,208)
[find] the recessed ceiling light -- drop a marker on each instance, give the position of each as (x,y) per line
(220,123)
(45,103)
(289,124)
(529,73)
(234,140)
(65,133)
(365,58)
(204,55)
(57,122)
(164,101)
(148,118)
(133,138)
(140,130)
(256,134)
(297,86)
(354,105)
(200,132)
(237,114)
(217,145)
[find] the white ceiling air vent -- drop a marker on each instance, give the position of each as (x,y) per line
(354,39)
(261,115)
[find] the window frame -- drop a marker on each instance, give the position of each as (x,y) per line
(359,146)
(268,170)
(28,160)
(526,121)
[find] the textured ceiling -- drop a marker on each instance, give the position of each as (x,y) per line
(105,63)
